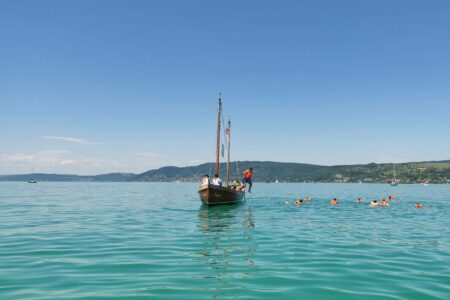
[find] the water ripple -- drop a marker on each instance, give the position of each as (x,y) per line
(145,240)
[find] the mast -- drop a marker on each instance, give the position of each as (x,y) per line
(218,135)
(228,134)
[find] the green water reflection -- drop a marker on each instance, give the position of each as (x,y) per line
(228,243)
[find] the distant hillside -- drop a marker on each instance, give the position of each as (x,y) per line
(435,172)
(264,170)
(432,171)
(111,177)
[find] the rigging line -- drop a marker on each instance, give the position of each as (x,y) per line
(227,137)
(226,140)
(212,161)
(210,168)
(237,174)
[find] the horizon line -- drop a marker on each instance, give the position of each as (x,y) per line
(240,161)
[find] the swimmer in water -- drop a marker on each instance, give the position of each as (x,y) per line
(374,203)
(334,201)
(384,202)
(419,205)
(359,200)
(308,199)
(390,198)
(299,202)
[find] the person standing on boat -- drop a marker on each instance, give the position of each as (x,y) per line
(205,180)
(216,180)
(248,179)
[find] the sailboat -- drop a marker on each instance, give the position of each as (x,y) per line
(394,181)
(214,194)
(32,180)
(422,182)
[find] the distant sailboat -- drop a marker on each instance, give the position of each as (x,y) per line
(394,181)
(276,181)
(422,182)
(32,179)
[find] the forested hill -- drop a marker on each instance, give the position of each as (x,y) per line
(434,172)
(110,177)
(268,171)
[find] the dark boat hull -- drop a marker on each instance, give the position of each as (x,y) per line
(212,195)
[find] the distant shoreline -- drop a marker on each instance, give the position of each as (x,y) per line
(195,182)
(268,171)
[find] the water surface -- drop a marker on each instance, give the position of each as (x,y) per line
(155,240)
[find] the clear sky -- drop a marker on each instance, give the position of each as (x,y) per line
(88,87)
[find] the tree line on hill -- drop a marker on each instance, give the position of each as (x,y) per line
(268,171)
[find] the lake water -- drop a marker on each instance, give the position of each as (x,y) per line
(156,240)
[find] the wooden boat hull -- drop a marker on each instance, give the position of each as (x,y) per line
(212,195)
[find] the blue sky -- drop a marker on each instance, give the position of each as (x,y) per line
(89,87)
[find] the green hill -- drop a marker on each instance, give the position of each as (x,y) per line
(434,172)
(110,177)
(431,171)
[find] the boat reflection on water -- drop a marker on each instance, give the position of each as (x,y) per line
(228,247)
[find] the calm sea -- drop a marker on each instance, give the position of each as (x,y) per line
(156,240)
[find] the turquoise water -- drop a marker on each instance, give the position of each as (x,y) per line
(155,240)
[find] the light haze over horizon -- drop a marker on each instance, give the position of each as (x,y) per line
(91,87)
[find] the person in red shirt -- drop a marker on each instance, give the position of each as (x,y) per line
(248,179)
